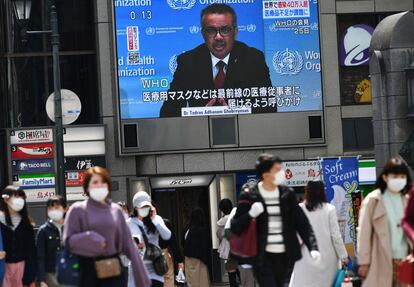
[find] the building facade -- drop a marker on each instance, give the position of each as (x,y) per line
(180,180)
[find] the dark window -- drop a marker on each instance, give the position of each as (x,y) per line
(130,135)
(223,131)
(358,134)
(315,127)
(26,67)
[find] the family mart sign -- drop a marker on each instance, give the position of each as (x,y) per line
(367,171)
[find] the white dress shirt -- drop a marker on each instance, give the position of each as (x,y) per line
(215,60)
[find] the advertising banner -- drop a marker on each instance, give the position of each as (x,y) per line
(32,164)
(341,180)
(165,67)
(354,45)
(75,193)
(356,202)
(28,151)
(84,162)
(45,165)
(31,136)
(75,178)
(34,180)
(39,195)
(299,173)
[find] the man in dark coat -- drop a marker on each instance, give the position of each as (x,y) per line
(279,220)
(220,63)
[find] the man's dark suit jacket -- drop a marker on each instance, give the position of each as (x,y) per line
(246,68)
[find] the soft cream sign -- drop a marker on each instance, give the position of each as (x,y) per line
(341,180)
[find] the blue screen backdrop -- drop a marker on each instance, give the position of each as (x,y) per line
(150,34)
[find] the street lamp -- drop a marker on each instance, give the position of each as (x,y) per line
(22,12)
(22,9)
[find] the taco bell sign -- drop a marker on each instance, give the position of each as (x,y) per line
(354,45)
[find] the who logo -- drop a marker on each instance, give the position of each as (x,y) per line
(181,4)
(172,65)
(287,62)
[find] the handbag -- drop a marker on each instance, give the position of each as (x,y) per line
(405,272)
(67,264)
(154,254)
(105,267)
(108,267)
(339,278)
(244,245)
(180,278)
(67,268)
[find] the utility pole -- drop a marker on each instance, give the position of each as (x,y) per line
(60,176)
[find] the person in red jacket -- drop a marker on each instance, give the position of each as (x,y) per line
(408,219)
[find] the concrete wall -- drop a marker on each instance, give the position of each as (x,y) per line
(393,47)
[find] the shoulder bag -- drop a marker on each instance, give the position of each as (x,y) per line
(154,254)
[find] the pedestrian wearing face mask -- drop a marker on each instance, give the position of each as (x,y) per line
(226,206)
(18,239)
(322,217)
(95,229)
(197,247)
(173,255)
(382,243)
(279,219)
(49,242)
(148,227)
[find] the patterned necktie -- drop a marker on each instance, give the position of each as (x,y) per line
(219,80)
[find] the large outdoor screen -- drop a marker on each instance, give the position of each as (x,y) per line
(172,63)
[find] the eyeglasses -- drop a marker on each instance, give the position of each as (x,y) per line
(212,31)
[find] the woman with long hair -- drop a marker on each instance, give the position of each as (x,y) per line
(322,217)
(231,265)
(95,229)
(18,239)
(146,225)
(197,250)
(172,254)
(382,243)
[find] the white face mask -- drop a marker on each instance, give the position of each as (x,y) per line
(55,214)
(143,212)
(98,193)
(16,203)
(280,178)
(396,184)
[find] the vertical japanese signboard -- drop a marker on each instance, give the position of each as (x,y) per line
(32,159)
(341,180)
(84,148)
(32,162)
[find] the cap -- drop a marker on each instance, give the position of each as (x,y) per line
(141,199)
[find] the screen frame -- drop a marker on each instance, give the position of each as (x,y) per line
(121,150)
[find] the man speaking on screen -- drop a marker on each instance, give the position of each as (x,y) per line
(220,63)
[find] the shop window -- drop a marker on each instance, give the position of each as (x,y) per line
(357,134)
(354,37)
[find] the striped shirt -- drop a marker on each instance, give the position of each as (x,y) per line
(275,241)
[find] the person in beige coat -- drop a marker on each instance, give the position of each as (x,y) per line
(382,243)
